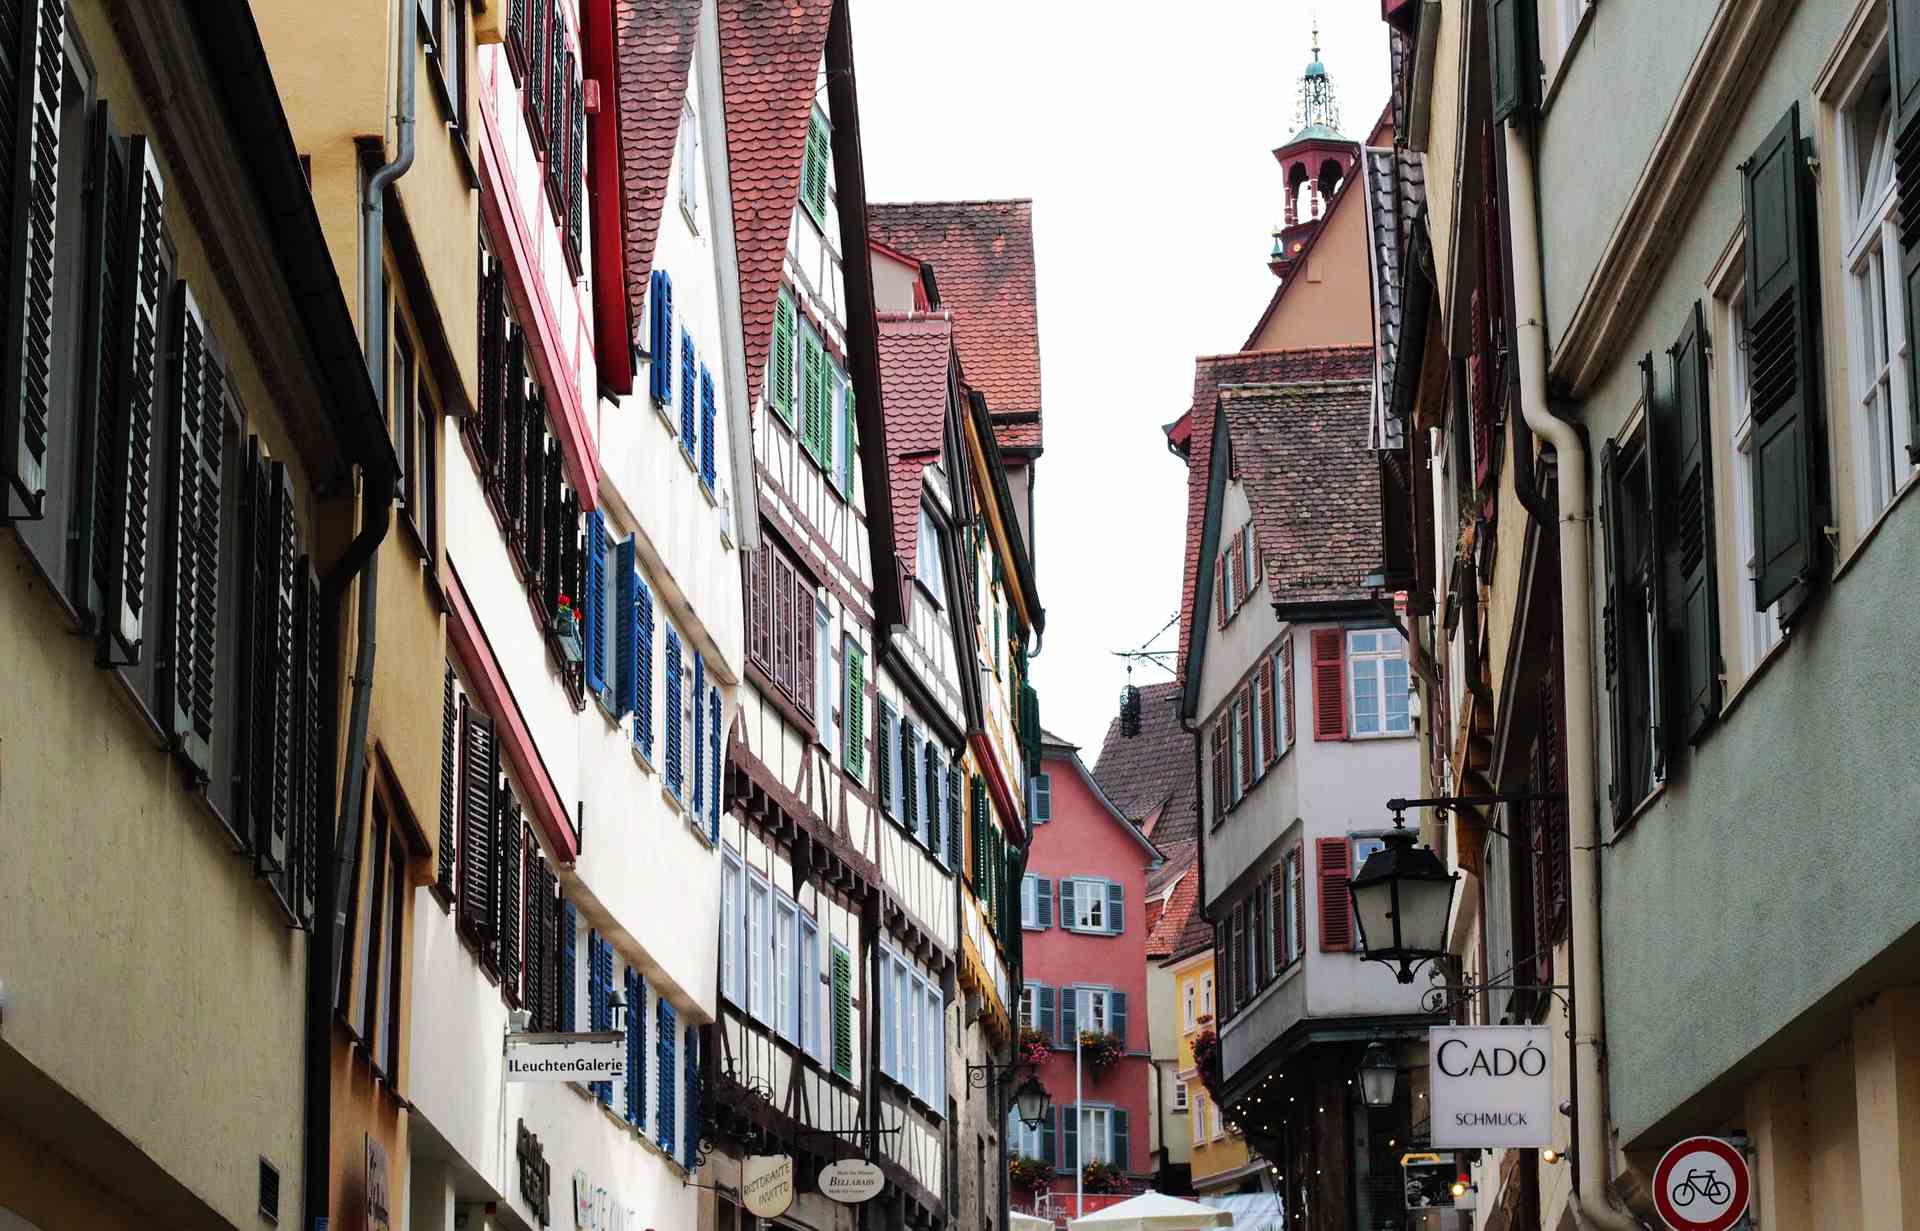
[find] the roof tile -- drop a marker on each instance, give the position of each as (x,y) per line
(916,350)
(1150,776)
(653,48)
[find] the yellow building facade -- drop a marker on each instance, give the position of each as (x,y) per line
(1221,1162)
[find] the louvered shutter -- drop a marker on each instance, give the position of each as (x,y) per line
(1656,504)
(511,828)
(252,659)
(1069,916)
(488,421)
(1300,900)
(137,369)
(1903,43)
(1286,689)
(660,372)
(979,822)
(694,701)
(559,112)
(813,172)
(1335,859)
(197,388)
(760,611)
(1116,908)
(784,621)
(595,624)
(1043,1017)
(935,776)
(909,773)
(956,857)
(1122,1152)
(1691,437)
(690,1133)
(803,645)
(449,733)
(675,734)
(100,475)
(811,373)
(577,171)
(854,712)
(564,984)
(1243,737)
(271,689)
(1069,998)
(1782,310)
(599,999)
(1222,799)
(1269,728)
(884,736)
(643,668)
(626,632)
(709,419)
(689,389)
(534,81)
(516,35)
(1049,1150)
(1512,46)
(313,767)
(714,802)
(1329,688)
(842,974)
(1220,585)
(849,443)
(1611,632)
(1042,902)
(780,368)
(31,59)
(478,770)
(636,1076)
(1277,915)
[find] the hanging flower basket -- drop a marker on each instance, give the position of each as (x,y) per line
(1034,1047)
(1100,1051)
(1028,1173)
(1103,1178)
(1206,1058)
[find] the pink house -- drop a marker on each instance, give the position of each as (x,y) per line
(1084,921)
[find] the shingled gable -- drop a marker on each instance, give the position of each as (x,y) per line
(1210,372)
(653,44)
(1055,749)
(916,359)
(983,266)
(1150,776)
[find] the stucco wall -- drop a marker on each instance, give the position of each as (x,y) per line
(1330,303)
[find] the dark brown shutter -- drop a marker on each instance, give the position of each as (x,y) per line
(1688,428)
(1651,565)
(759,598)
(478,771)
(1782,311)
(533,81)
(311,769)
(1269,734)
(1336,903)
(102,472)
(508,925)
(783,623)
(31,60)
(516,35)
(449,786)
(1329,686)
(1221,780)
(1612,617)
(137,341)
(537,960)
(1220,590)
(803,644)
(196,385)
(1300,899)
(273,695)
(252,658)
(1903,42)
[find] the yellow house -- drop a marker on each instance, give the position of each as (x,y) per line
(1221,1162)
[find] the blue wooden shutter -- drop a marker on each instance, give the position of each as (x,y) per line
(1118,1118)
(1116,908)
(713,759)
(596,604)
(643,668)
(666,1032)
(1069,1015)
(569,921)
(690,1138)
(699,734)
(1043,901)
(626,639)
(1043,1010)
(709,414)
(661,369)
(1069,917)
(1117,1015)
(1049,1147)
(674,734)
(599,998)
(636,1050)
(1070,1138)
(689,386)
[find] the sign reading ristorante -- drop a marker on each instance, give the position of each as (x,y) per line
(1491,1086)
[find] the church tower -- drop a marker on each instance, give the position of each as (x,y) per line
(1314,163)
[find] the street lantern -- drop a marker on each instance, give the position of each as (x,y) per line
(1031,1100)
(1401,897)
(1378,1075)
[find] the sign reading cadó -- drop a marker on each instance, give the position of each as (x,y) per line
(1491,1086)
(598,1056)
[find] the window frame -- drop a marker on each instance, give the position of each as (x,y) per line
(1352,661)
(732,927)
(929,569)
(1757,631)
(759,946)
(687,150)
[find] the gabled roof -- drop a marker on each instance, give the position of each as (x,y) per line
(916,356)
(653,49)
(769,61)
(1196,428)
(1163,937)
(1054,749)
(1150,776)
(983,265)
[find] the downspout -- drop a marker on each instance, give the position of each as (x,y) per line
(340,848)
(1592,1204)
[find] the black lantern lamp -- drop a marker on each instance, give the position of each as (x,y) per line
(1378,1076)
(1031,1100)
(1402,896)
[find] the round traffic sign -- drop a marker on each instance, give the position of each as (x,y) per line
(1701,1184)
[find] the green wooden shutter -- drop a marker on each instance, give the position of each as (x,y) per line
(813,174)
(780,381)
(1513,47)
(1782,307)
(856,712)
(136,368)
(272,690)
(196,384)
(842,1013)
(1655,503)
(1611,620)
(979,836)
(1903,41)
(851,443)
(443,856)
(100,473)
(955,855)
(311,748)
(1688,429)
(883,736)
(31,61)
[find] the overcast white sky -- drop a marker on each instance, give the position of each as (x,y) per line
(1144,136)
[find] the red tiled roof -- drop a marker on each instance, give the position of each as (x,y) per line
(769,60)
(916,350)
(983,266)
(1209,373)
(1313,482)
(653,42)
(1163,938)
(1150,776)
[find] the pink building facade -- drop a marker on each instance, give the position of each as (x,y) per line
(1083,913)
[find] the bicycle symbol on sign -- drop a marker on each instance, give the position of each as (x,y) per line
(1704,1183)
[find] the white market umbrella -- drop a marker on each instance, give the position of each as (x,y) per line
(1027,1222)
(1153,1212)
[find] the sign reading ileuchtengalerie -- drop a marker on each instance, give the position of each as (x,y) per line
(1491,1086)
(599,1056)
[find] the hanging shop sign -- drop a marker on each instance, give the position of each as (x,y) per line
(852,1181)
(536,1177)
(1491,1086)
(597,1056)
(378,1189)
(1701,1184)
(766,1184)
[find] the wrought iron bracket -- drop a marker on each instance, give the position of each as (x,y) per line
(1447,803)
(1000,1076)
(1446,997)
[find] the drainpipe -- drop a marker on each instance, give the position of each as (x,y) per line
(339,849)
(1592,1204)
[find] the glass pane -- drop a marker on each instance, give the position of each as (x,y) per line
(1397,719)
(1366,698)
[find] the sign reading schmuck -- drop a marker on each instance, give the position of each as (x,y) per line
(600,1056)
(1491,1086)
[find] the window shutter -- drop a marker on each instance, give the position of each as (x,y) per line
(849,443)
(31,118)
(1122,1157)
(784,622)
(596,604)
(197,383)
(814,177)
(576,169)
(1656,503)
(536,953)
(1903,42)
(1116,908)
(1611,632)
(1513,33)
(675,734)
(600,999)
(1069,916)
(759,614)
(690,1059)
(449,724)
(1277,917)
(699,734)
(883,756)
(626,631)
(1043,1019)
(1245,736)
(1300,900)
(666,1034)
(534,84)
(1329,689)
(714,802)
(101,476)
(1782,306)
(909,792)
(854,712)
(1117,1015)
(1049,1151)
(709,416)
(1069,998)
(137,365)
(636,1091)
(956,856)
(516,35)
(1220,590)
(1070,1136)
(643,668)
(662,369)
(1043,902)
(931,805)
(978,804)
(512,829)
(271,691)
(689,388)
(477,772)
(1286,691)
(1336,901)
(804,634)
(842,1013)
(1269,731)
(1691,437)
(1221,800)
(780,380)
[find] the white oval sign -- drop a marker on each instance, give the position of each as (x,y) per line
(852,1181)
(766,1184)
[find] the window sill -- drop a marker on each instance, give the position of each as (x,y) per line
(689,213)
(664,412)
(686,455)
(1640,809)
(1566,57)
(1372,736)
(641,759)
(674,801)
(713,499)
(1872,531)
(1739,691)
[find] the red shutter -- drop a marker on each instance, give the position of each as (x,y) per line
(1220,766)
(1245,736)
(1220,591)
(1269,734)
(1300,897)
(1336,902)
(1286,685)
(1329,690)
(1277,912)
(1237,564)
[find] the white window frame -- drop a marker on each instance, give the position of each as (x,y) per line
(1759,630)
(1030,902)
(1282,695)
(1097,1116)
(1029,1007)
(1190,997)
(1180,1097)
(1377,662)
(1206,994)
(1197,1107)
(1084,1000)
(689,154)
(807,974)
(1024,1142)
(1290,906)
(759,923)
(1236,752)
(1256,750)
(825,682)
(1080,902)
(785,964)
(928,568)
(732,920)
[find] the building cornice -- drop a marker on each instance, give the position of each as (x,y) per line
(1728,62)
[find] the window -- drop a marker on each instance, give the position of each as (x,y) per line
(1027,1007)
(1292,943)
(446,50)
(1189,995)
(688,153)
(380,894)
(809,997)
(759,994)
(912,1028)
(732,924)
(825,688)
(1094,1006)
(813,171)
(1180,1097)
(778,641)
(1237,718)
(1206,993)
(1759,630)
(1036,902)
(1040,786)
(786,1001)
(927,564)
(1633,623)
(1197,1102)
(1377,667)
(1283,697)
(1213,1118)
(1022,1142)
(1097,1135)
(1091,905)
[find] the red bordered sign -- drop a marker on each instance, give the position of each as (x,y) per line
(1701,1184)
